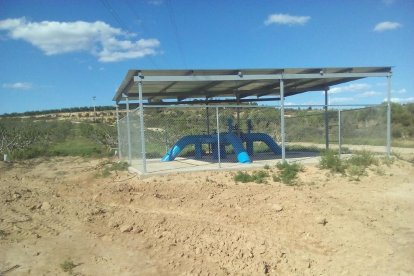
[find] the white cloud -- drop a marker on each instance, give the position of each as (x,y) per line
(286,19)
(341,100)
(367,94)
(400,91)
(155,2)
(388,2)
(386,26)
(353,87)
(98,38)
(401,100)
(18,85)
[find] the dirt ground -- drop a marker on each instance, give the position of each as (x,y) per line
(58,210)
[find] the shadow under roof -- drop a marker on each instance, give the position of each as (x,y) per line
(235,84)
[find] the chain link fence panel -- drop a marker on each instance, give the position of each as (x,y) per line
(193,136)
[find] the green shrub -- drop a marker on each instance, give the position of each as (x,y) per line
(288,173)
(330,160)
(119,166)
(242,177)
(257,177)
(355,172)
(68,266)
(363,159)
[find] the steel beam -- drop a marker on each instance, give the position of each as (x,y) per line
(255,77)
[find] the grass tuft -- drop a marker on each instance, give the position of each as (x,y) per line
(257,177)
(68,266)
(330,160)
(288,173)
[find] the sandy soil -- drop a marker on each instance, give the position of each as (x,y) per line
(203,223)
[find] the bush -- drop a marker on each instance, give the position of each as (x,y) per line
(359,162)
(354,167)
(363,159)
(68,266)
(257,177)
(330,160)
(288,173)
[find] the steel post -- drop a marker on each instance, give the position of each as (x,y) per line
(282,118)
(118,131)
(141,124)
(128,132)
(389,116)
(218,137)
(339,133)
(326,120)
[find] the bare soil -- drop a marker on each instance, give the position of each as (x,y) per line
(58,210)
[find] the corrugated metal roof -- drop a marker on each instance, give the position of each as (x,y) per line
(236,83)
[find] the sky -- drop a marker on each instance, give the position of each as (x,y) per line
(57,54)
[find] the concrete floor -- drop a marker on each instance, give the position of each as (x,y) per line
(207,163)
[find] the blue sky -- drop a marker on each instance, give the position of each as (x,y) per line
(56,54)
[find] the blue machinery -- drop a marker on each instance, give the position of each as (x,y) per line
(229,138)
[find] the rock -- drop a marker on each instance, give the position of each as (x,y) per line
(16,195)
(45,206)
(137,230)
(277,207)
(321,220)
(198,250)
(211,196)
(126,228)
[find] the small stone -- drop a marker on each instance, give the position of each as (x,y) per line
(113,224)
(321,220)
(277,207)
(126,228)
(211,196)
(137,230)
(45,206)
(16,195)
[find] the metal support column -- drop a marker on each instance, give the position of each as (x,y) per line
(389,116)
(282,119)
(141,124)
(118,131)
(208,123)
(218,138)
(326,120)
(339,133)
(128,131)
(238,115)
(207,118)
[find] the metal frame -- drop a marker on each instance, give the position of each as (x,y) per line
(308,82)
(255,77)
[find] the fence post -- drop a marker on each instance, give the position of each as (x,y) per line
(128,131)
(141,121)
(326,119)
(282,118)
(118,131)
(218,138)
(339,133)
(389,116)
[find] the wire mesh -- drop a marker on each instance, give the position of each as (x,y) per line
(184,137)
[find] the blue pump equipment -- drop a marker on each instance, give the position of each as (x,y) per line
(229,138)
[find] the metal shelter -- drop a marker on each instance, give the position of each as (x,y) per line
(173,87)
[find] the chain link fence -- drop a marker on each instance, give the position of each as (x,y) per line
(204,137)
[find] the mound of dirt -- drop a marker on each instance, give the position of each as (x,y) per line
(62,210)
